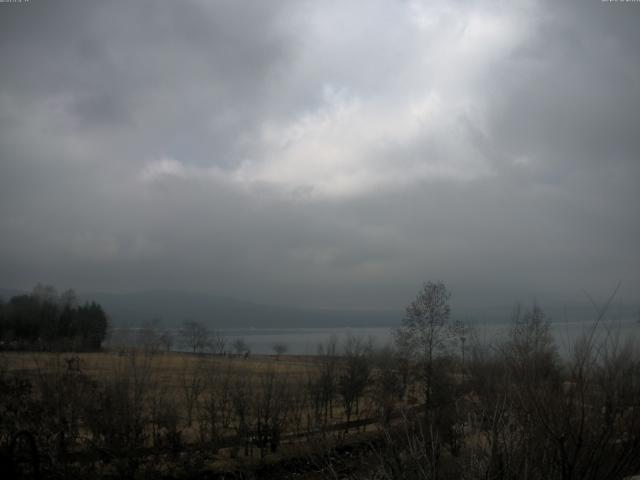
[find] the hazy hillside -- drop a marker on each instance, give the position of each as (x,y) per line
(7,293)
(172,308)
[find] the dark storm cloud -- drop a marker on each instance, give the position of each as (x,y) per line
(321,154)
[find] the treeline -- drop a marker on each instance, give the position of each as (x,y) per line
(512,407)
(46,320)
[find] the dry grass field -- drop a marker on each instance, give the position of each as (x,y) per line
(168,366)
(184,378)
(236,410)
(176,376)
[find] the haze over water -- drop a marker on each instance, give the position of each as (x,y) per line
(305,341)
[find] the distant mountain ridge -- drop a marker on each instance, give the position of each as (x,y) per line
(171,308)
(7,293)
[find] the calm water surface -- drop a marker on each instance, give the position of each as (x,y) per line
(305,341)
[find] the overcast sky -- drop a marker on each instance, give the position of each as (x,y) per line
(321,153)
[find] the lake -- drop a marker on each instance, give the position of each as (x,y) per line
(305,341)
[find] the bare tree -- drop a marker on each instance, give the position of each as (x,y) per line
(280,349)
(217,342)
(531,347)
(148,336)
(216,409)
(588,421)
(355,374)
(195,336)
(328,375)
(460,330)
(425,337)
(271,405)
(424,334)
(118,413)
(242,406)
(193,384)
(387,382)
(240,346)
(166,340)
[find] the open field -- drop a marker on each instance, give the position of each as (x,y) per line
(260,407)
(170,366)
(181,377)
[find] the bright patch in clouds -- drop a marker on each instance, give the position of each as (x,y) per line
(165,168)
(418,124)
(344,148)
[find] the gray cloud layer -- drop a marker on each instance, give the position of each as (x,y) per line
(321,153)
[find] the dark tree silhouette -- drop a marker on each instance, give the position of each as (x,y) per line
(424,333)
(45,321)
(194,335)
